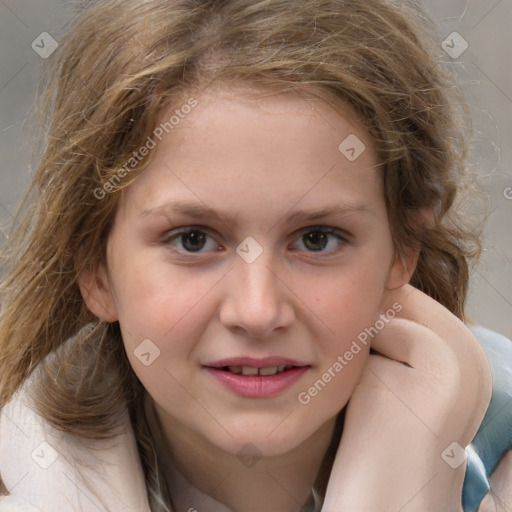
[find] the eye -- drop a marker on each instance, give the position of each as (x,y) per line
(192,240)
(320,239)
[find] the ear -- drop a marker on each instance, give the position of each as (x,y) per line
(97,293)
(405,259)
(402,268)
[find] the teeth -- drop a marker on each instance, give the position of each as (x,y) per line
(249,370)
(272,370)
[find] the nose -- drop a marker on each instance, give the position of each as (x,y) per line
(257,302)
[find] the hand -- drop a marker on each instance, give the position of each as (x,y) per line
(428,385)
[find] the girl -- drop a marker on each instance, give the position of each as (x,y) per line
(239,282)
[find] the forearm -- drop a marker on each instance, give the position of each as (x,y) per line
(424,492)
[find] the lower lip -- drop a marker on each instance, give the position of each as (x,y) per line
(256,386)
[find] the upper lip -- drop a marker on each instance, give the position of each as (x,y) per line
(252,362)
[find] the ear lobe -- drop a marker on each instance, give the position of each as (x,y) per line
(405,260)
(402,268)
(97,294)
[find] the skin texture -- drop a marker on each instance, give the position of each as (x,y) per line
(251,163)
(427,388)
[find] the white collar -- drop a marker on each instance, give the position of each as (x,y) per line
(46,470)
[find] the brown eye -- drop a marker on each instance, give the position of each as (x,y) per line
(323,240)
(315,240)
(193,240)
(190,240)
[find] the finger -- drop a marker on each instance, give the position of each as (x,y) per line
(417,346)
(422,309)
(469,383)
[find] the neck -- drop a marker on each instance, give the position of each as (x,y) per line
(248,484)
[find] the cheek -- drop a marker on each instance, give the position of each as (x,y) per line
(156,300)
(346,301)
(333,384)
(162,316)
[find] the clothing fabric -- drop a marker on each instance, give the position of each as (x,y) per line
(46,470)
(50,471)
(494,437)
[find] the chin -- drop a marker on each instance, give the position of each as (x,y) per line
(251,439)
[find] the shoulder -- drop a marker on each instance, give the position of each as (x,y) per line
(50,470)
(488,482)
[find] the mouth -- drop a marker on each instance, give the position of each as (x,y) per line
(252,371)
(250,366)
(257,378)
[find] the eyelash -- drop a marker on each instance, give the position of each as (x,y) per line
(174,235)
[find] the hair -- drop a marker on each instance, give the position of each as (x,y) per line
(117,67)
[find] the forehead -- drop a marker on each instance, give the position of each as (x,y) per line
(272,148)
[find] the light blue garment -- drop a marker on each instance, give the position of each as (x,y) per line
(494,437)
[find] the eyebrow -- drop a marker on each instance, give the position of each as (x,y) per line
(201,211)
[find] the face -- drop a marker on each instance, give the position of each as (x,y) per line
(252,244)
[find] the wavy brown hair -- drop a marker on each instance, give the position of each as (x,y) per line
(117,67)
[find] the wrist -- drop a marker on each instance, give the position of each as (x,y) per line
(387,488)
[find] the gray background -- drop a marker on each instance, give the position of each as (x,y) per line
(485,70)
